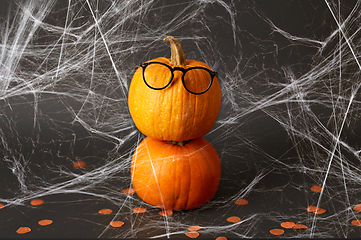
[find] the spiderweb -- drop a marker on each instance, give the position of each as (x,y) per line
(290,78)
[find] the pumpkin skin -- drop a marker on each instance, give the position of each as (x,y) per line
(174,177)
(173,114)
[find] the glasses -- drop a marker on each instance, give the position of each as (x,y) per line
(196,80)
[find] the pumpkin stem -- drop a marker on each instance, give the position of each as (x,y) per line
(177,54)
(180,143)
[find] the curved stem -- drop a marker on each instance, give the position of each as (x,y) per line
(177,53)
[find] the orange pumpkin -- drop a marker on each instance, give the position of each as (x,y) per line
(173,113)
(175,177)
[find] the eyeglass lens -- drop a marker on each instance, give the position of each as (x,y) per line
(157,75)
(195,80)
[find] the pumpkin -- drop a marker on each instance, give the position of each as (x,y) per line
(173,113)
(174,176)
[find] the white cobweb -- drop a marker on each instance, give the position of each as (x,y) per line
(290,78)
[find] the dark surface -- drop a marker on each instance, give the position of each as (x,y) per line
(272,137)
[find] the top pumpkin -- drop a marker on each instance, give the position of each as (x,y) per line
(177,110)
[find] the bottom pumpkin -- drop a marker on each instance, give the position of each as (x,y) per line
(175,177)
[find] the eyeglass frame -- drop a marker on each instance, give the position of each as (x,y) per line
(183,70)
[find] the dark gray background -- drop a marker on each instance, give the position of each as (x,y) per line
(269,132)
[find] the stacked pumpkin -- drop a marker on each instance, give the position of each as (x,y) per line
(174,102)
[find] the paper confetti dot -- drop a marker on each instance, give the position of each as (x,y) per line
(241,202)
(166,213)
(288,224)
(23,230)
(233,219)
(128,191)
(139,210)
(316,188)
(277,231)
(357,208)
(45,222)
(356,223)
(221,238)
(36,202)
(116,223)
(79,164)
(192,234)
(300,227)
(105,211)
(194,228)
(314,209)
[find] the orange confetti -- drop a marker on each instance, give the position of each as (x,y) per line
(277,231)
(300,227)
(356,223)
(116,223)
(166,213)
(36,202)
(314,209)
(241,202)
(79,164)
(233,219)
(128,191)
(357,208)
(194,228)
(316,188)
(221,238)
(192,234)
(45,222)
(23,230)
(288,224)
(1,205)
(105,211)
(139,210)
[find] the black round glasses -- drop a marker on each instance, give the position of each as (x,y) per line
(196,80)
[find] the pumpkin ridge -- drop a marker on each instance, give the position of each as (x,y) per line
(175,183)
(178,109)
(195,111)
(160,114)
(173,110)
(173,150)
(201,170)
(192,165)
(190,175)
(173,95)
(206,151)
(185,100)
(204,104)
(203,151)
(154,172)
(206,166)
